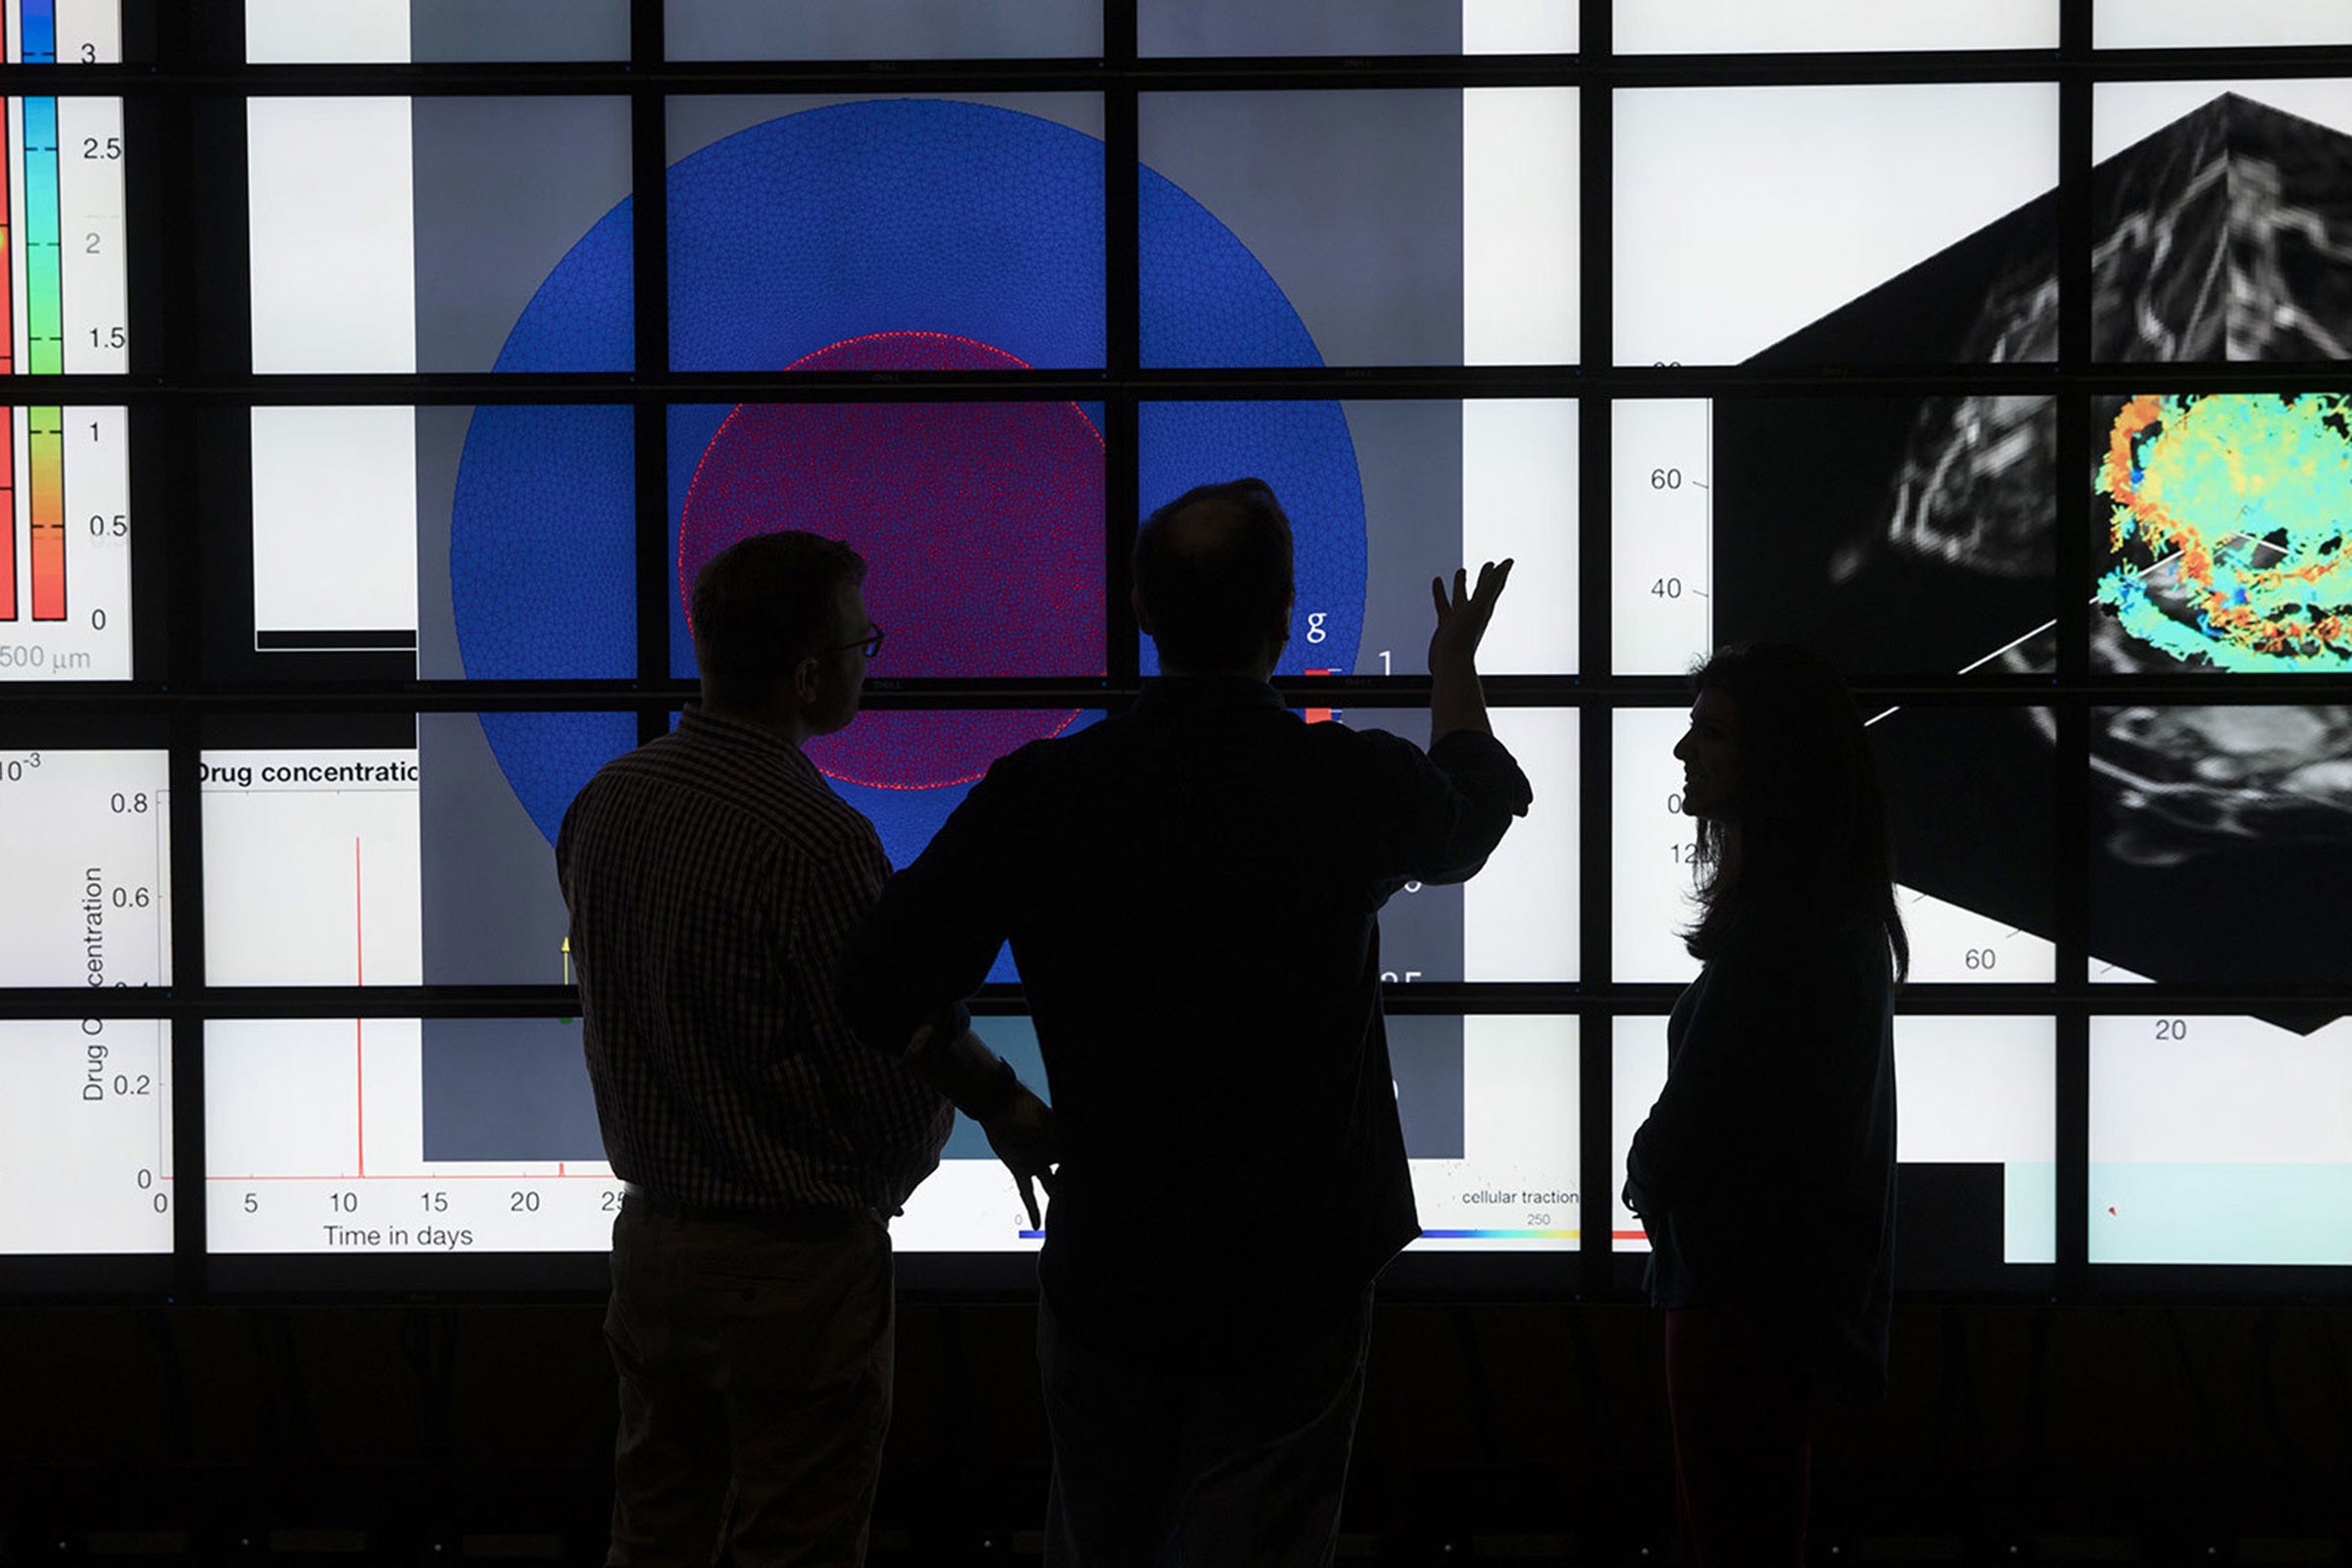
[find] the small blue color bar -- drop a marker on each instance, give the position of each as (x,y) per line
(41,32)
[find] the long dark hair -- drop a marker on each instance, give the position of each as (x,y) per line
(1813,829)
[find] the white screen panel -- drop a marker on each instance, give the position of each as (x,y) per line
(332,228)
(2220,1140)
(85,1136)
(1519,466)
(1744,214)
(1520,287)
(1519,26)
(310,867)
(298,32)
(1520,913)
(2199,23)
(334,518)
(1772,27)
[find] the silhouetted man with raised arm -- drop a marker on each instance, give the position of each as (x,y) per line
(1190,891)
(712,877)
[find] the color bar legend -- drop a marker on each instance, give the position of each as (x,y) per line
(65,493)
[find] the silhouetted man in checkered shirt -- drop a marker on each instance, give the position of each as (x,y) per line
(712,878)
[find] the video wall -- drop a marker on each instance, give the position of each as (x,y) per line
(401,408)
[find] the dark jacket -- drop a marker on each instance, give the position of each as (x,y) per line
(1190,890)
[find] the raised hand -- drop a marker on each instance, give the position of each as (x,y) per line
(1463,615)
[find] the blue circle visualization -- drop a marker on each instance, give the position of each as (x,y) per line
(886,216)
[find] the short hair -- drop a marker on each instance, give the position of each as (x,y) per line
(1217,592)
(763,604)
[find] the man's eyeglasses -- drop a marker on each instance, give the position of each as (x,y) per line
(871,642)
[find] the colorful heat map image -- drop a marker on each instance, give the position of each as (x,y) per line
(885,235)
(2228,515)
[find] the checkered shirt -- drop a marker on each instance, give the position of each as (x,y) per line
(712,878)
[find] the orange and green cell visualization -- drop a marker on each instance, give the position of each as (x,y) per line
(2229,528)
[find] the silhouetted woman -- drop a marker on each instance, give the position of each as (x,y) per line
(1765,1173)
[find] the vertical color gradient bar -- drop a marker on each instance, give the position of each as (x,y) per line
(8,292)
(8,366)
(44,323)
(46,452)
(7,510)
(44,308)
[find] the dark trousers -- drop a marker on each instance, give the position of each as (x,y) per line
(1742,1406)
(755,1388)
(1168,1468)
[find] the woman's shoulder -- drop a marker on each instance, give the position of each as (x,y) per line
(1790,938)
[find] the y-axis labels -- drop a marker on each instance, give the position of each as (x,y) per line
(85,837)
(1662,575)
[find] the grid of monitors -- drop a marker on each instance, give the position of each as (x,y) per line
(1725,321)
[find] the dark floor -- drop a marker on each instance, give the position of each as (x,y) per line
(1529,1433)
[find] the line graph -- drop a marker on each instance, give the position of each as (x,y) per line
(355,1173)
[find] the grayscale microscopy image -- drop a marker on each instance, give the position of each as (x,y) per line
(2220,839)
(2226,235)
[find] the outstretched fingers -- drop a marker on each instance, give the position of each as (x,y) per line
(1491,578)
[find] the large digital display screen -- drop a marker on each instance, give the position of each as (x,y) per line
(1975,1146)
(390,428)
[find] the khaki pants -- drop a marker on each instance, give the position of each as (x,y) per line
(754,1390)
